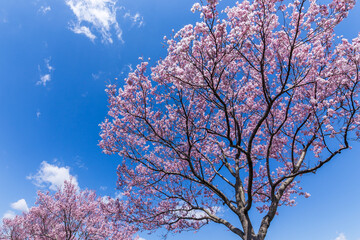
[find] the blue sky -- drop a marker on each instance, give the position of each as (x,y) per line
(55,60)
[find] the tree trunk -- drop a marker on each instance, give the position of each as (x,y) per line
(253,237)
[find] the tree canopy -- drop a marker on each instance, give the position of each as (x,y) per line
(67,214)
(245,102)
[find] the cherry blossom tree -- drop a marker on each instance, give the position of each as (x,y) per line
(68,214)
(12,228)
(245,103)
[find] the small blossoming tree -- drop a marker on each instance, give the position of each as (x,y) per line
(245,102)
(69,214)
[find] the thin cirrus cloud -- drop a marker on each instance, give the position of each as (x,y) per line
(44,9)
(95,16)
(83,30)
(52,176)
(136,19)
(99,17)
(45,77)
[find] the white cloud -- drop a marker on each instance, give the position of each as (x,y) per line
(9,214)
(20,205)
(341,237)
(52,176)
(38,114)
(96,76)
(200,214)
(119,195)
(185,211)
(44,9)
(45,78)
(47,62)
(83,30)
(136,19)
(95,15)
(105,199)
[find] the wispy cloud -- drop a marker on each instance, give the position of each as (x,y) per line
(52,176)
(44,9)
(136,19)
(96,76)
(47,62)
(79,162)
(95,16)
(83,30)
(126,69)
(20,205)
(45,77)
(341,237)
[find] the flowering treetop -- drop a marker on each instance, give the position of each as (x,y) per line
(68,214)
(241,106)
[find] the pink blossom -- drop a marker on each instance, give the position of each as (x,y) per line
(241,107)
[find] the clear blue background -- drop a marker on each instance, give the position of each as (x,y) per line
(73,103)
